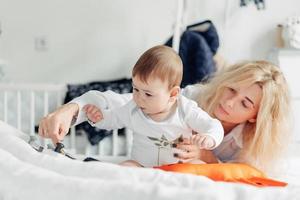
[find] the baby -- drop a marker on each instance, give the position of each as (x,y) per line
(158,115)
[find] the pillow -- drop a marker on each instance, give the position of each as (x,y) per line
(229,172)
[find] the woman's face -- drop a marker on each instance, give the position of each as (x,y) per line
(238,104)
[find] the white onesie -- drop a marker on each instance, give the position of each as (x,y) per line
(152,141)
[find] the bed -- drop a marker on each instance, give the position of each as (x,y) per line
(23,106)
(28,174)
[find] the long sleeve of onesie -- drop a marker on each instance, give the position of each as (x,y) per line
(103,100)
(111,100)
(117,118)
(200,121)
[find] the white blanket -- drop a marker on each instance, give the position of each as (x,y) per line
(27,174)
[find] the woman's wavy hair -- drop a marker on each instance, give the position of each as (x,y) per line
(264,140)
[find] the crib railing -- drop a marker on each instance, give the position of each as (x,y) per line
(23,106)
(16,93)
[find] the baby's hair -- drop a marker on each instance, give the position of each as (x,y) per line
(160,62)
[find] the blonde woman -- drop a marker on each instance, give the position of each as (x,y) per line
(251,100)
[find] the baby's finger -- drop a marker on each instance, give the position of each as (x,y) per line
(199,140)
(94,118)
(94,111)
(90,109)
(97,118)
(209,143)
(86,107)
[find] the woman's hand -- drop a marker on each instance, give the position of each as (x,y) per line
(57,124)
(191,153)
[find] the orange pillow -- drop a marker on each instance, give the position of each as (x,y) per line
(229,172)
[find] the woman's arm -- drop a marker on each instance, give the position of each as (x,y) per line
(56,124)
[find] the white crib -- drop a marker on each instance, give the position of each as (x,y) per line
(23,106)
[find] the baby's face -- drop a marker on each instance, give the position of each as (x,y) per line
(152,97)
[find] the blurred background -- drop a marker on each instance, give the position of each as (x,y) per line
(76,41)
(79,45)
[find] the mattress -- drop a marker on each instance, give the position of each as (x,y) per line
(28,174)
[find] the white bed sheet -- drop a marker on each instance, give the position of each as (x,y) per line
(291,166)
(27,174)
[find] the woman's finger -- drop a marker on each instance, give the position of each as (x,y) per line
(186,148)
(45,130)
(53,128)
(185,161)
(41,127)
(197,161)
(185,141)
(186,155)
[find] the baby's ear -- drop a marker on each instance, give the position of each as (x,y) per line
(174,91)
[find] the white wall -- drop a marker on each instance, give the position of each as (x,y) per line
(90,40)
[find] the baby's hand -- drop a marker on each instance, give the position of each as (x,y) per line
(93,113)
(203,141)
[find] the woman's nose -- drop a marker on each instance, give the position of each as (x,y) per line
(230,102)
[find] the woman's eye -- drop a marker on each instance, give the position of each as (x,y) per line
(135,89)
(148,95)
(232,89)
(245,104)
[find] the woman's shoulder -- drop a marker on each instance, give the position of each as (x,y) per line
(192,91)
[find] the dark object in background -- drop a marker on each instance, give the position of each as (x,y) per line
(209,32)
(60,148)
(121,86)
(89,159)
(198,45)
(260,4)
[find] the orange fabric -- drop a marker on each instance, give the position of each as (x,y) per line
(229,172)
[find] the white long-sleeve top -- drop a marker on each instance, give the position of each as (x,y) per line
(227,151)
(152,140)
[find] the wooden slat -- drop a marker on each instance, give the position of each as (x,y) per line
(32,112)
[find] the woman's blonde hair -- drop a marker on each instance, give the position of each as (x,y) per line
(264,140)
